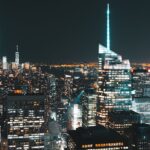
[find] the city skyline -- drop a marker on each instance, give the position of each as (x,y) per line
(53,98)
(67,32)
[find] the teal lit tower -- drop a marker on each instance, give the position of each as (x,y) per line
(108,28)
(114,80)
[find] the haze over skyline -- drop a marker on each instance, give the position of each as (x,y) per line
(70,31)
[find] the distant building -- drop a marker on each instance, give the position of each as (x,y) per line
(25,122)
(4,63)
(97,137)
(139,136)
(14,66)
(26,65)
(17,56)
(121,120)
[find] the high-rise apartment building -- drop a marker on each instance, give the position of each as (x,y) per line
(114,81)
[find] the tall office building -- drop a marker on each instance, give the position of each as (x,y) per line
(17,56)
(114,81)
(25,122)
(4,63)
(89,100)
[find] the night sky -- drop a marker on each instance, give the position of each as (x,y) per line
(67,31)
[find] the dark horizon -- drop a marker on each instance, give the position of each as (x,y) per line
(70,31)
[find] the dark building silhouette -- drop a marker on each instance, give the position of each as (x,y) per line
(121,120)
(97,137)
(139,136)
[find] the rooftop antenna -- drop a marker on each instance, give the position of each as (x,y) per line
(108,28)
(17,47)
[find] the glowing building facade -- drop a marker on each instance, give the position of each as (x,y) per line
(74,117)
(25,122)
(114,82)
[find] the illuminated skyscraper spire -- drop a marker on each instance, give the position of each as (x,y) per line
(108,28)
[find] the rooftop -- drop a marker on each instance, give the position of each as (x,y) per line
(93,135)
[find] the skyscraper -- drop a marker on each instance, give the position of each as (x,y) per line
(17,56)
(114,81)
(89,107)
